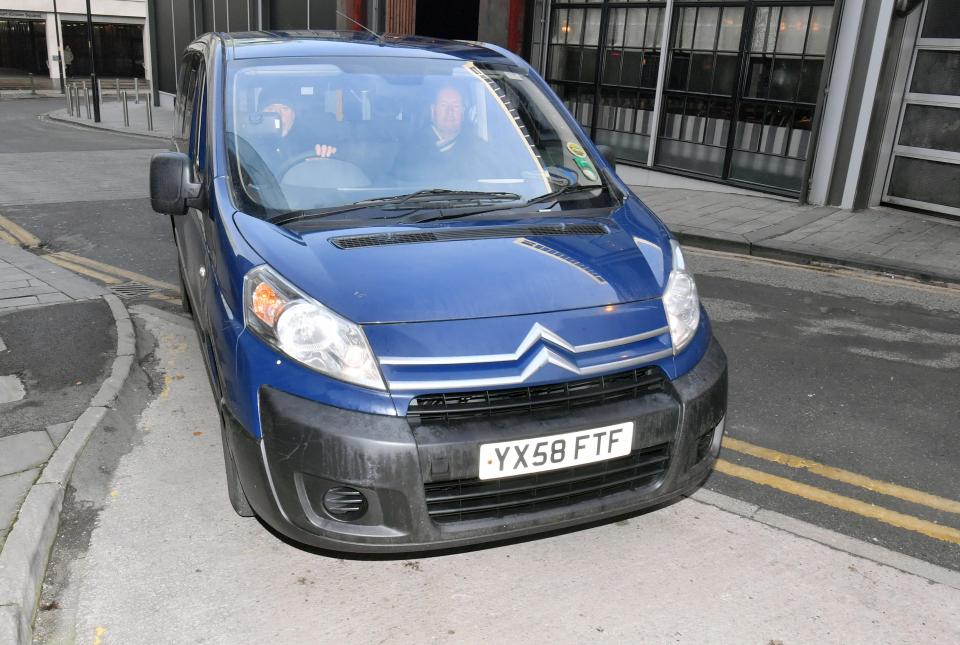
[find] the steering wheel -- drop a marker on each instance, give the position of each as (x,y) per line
(296,160)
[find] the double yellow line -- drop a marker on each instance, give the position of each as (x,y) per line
(111,275)
(842,502)
(14,234)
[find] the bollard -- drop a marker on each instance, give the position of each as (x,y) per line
(149,103)
(126,110)
(69,100)
(136,90)
(87,98)
(33,86)
(118,89)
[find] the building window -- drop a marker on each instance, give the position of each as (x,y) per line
(23,46)
(786,53)
(572,58)
(700,87)
(740,86)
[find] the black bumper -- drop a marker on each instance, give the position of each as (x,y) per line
(309,448)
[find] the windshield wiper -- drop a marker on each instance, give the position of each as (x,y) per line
(444,195)
(566,190)
(293,216)
(411,201)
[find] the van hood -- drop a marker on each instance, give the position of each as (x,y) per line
(465,269)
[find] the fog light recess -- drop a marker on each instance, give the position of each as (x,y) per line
(345,503)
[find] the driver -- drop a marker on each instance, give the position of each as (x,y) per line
(290,146)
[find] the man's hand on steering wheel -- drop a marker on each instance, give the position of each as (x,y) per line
(319,151)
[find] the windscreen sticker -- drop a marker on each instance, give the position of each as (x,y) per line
(577,150)
(586,168)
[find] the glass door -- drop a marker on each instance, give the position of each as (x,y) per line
(742,90)
(603,61)
(925,169)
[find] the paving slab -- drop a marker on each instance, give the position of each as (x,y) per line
(58,431)
(23,451)
(13,489)
(26,265)
(11,389)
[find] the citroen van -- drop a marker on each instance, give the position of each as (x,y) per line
(431,312)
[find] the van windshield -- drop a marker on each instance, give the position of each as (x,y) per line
(308,134)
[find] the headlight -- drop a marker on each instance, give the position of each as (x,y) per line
(680,301)
(306,331)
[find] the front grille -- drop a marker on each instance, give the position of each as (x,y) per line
(455,234)
(459,406)
(469,499)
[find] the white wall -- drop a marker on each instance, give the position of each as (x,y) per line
(129,8)
(836,100)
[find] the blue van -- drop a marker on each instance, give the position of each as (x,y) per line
(431,313)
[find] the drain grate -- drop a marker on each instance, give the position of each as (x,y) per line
(129,290)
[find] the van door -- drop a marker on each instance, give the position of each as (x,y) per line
(189,140)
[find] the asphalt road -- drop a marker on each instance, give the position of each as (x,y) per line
(82,191)
(846,370)
(842,397)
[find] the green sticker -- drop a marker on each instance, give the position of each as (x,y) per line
(577,150)
(586,168)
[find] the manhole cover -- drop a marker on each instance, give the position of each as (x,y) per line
(129,290)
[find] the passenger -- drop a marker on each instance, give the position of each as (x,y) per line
(446,118)
(445,144)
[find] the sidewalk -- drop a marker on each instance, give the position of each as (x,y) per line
(27,94)
(111,118)
(926,247)
(66,347)
(877,239)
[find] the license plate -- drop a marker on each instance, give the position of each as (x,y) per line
(512,458)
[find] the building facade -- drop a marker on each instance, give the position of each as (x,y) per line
(852,103)
(34,34)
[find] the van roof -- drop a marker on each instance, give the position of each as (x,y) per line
(283,44)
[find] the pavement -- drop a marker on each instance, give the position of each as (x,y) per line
(48,409)
(882,239)
(111,118)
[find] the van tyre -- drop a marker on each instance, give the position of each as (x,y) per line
(238,499)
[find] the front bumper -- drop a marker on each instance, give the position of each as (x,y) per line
(309,448)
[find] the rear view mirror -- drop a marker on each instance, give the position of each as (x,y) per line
(172,189)
(609,154)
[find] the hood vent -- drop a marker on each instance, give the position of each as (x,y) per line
(455,234)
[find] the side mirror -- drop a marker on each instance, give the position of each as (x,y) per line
(172,189)
(608,154)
